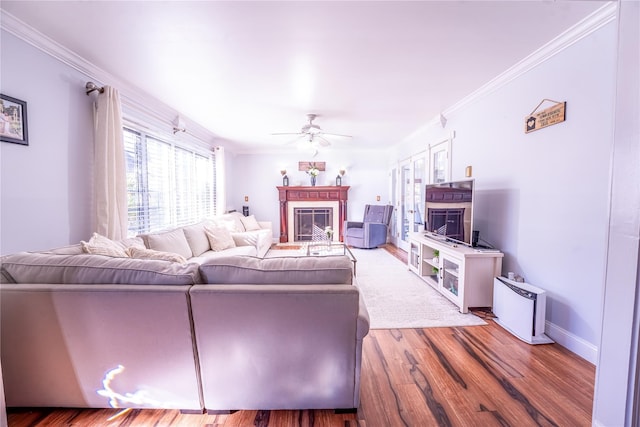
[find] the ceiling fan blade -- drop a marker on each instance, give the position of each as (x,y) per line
(322,142)
(336,134)
(313,134)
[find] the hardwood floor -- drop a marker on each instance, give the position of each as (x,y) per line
(462,376)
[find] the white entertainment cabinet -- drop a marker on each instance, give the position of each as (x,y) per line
(461,273)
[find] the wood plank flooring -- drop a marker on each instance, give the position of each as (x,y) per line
(463,376)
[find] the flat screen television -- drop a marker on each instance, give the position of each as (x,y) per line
(449,210)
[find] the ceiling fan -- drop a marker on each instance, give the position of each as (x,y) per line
(313,133)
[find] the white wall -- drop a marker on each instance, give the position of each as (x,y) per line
(543,197)
(46,186)
(257,175)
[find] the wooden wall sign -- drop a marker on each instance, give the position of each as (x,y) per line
(305,166)
(547,117)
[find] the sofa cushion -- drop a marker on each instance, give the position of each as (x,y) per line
(144,253)
(170,241)
(284,270)
(101,245)
(219,238)
(234,218)
(238,250)
(261,239)
(197,238)
(229,224)
(68,250)
(35,267)
(250,223)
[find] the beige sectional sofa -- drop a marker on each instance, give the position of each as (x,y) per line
(221,331)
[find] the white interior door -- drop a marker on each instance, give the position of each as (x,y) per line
(412,181)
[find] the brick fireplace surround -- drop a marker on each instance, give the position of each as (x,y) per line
(312,194)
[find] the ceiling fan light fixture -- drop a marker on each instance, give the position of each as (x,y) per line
(312,135)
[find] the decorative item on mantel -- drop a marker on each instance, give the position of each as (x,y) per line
(313,173)
(313,170)
(339,177)
(285,178)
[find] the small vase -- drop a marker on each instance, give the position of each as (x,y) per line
(313,181)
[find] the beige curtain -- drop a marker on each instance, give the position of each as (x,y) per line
(110,180)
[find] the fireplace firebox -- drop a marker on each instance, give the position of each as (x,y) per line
(305,219)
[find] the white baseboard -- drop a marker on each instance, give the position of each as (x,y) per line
(575,344)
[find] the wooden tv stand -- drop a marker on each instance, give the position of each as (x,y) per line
(461,273)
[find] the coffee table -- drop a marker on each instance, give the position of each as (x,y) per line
(325,248)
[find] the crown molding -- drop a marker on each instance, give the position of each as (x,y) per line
(582,29)
(18,28)
(141,104)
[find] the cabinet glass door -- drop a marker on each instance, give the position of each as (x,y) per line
(414,256)
(450,272)
(439,162)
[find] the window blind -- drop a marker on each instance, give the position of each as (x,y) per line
(168,185)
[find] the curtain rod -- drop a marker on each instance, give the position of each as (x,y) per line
(140,109)
(92,87)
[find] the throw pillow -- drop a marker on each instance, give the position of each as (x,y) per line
(250,223)
(139,253)
(171,241)
(197,238)
(219,238)
(101,245)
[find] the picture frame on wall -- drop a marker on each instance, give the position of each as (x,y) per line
(13,120)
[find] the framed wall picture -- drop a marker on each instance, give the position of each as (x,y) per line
(13,120)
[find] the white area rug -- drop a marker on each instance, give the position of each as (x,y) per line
(396,298)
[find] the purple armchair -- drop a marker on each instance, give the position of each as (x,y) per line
(372,231)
